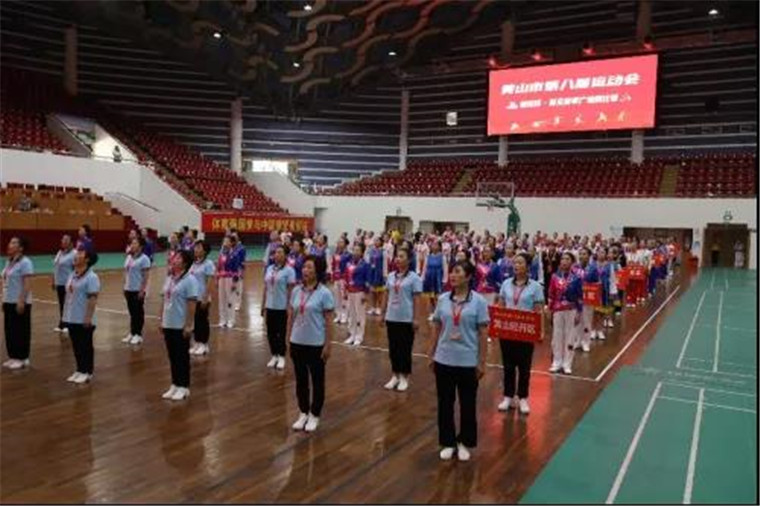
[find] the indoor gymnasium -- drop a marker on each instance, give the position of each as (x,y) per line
(379,251)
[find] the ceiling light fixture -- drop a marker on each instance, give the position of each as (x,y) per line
(307,7)
(296,64)
(391,53)
(217,35)
(713,12)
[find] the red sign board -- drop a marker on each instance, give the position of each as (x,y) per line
(592,294)
(637,272)
(616,93)
(514,324)
(247,223)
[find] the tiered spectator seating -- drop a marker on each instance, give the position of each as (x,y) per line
(419,178)
(56,210)
(718,175)
(575,177)
(22,115)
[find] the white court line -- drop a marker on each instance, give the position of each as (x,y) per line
(340,343)
(716,390)
(691,329)
(632,447)
(708,404)
(712,281)
(725,278)
(728,327)
(716,356)
(739,375)
(636,335)
(687,490)
(734,364)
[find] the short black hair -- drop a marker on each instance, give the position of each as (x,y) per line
(87,230)
(467,267)
(187,260)
(570,254)
(362,247)
(140,240)
(204,245)
(320,267)
(91,256)
(528,259)
(22,241)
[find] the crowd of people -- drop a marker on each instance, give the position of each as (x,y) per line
(309,290)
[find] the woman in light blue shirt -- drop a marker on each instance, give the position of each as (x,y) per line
(310,335)
(458,357)
(279,280)
(401,309)
(82,290)
(203,271)
(519,292)
(136,273)
(178,301)
(17,304)
(63,266)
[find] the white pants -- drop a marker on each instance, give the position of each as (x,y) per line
(586,326)
(563,338)
(338,288)
(226,301)
(357,316)
(237,294)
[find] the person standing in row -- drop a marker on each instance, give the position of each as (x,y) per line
(296,258)
(179,297)
(402,307)
(238,251)
(338,262)
(487,275)
(357,284)
(226,270)
(82,289)
(172,251)
(606,273)
(519,292)
(458,357)
(378,266)
(274,242)
(436,273)
(587,273)
(310,336)
(279,280)
(203,271)
(63,266)
(565,303)
(136,274)
(17,304)
(84,238)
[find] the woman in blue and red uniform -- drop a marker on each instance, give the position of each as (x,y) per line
(227,268)
(587,273)
(436,274)
(337,268)
(487,276)
(378,273)
(565,297)
(357,284)
(296,258)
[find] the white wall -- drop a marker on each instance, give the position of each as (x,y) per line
(283,191)
(103,177)
(576,216)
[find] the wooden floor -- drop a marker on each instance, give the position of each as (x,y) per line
(116,440)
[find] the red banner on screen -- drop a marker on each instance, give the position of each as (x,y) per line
(609,94)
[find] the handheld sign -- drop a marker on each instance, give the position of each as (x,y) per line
(592,294)
(514,324)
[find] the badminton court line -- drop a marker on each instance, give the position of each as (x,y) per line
(691,330)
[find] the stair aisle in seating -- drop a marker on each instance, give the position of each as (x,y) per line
(669,181)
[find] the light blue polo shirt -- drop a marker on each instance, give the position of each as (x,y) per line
(78,289)
(13,280)
(176,293)
(462,352)
(277,280)
(401,302)
(531,294)
(201,271)
(63,266)
(134,272)
(309,327)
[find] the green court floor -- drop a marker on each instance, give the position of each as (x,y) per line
(43,264)
(680,426)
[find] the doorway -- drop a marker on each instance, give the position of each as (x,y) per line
(725,245)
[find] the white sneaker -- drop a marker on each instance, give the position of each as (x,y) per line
(430,319)
(202,349)
(567,369)
(378,311)
(601,336)
(280,363)
(505,404)
(524,406)
(73,377)
(230,325)
(555,367)
(19,364)
(312,423)
(136,340)
(370,311)
(403,384)
(301,422)
(57,329)
(83,378)
(65,330)
(344,319)
(358,340)
(169,393)
(127,339)
(180,393)
(350,340)
(585,347)
(194,349)
(392,384)
(593,334)
(336,319)
(446,453)
(8,362)
(463,454)
(272,362)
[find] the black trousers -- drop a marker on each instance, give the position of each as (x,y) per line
(451,381)
(81,342)
(60,290)
(202,330)
(178,347)
(136,308)
(277,329)
(307,361)
(400,341)
(18,331)
(517,357)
